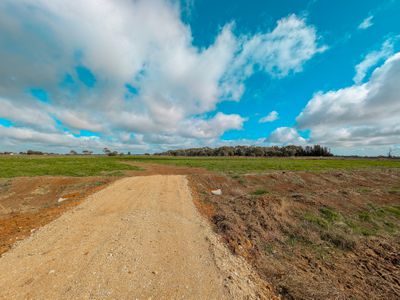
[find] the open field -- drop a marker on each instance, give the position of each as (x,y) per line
(311,228)
(258,165)
(14,166)
(78,166)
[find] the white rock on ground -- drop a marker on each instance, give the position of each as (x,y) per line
(217,192)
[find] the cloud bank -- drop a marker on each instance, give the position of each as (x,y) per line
(362,115)
(126,73)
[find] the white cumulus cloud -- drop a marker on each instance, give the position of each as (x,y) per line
(150,81)
(286,136)
(272,116)
(360,115)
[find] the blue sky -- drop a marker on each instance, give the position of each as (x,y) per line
(146,76)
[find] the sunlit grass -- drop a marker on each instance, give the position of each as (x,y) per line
(257,165)
(61,166)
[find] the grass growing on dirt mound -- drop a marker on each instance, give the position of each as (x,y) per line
(61,166)
(242,165)
(312,235)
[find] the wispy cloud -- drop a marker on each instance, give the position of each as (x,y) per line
(372,59)
(366,23)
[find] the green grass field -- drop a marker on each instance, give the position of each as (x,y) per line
(242,165)
(61,166)
(14,166)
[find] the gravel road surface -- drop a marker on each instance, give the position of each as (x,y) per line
(139,238)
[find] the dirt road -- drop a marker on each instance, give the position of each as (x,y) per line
(139,238)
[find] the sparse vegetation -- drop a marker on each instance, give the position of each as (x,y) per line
(394,210)
(394,190)
(312,225)
(363,190)
(371,221)
(259,192)
(339,240)
(321,222)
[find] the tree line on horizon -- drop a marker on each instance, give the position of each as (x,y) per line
(252,151)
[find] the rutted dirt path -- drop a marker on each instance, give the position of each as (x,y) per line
(139,238)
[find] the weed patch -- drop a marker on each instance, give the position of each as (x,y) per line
(321,222)
(394,190)
(341,241)
(329,214)
(364,190)
(393,210)
(259,192)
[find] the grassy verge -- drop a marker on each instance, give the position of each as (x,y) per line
(61,166)
(258,165)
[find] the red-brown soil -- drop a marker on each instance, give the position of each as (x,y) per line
(300,258)
(274,220)
(27,203)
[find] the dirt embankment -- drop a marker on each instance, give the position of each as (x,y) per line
(328,235)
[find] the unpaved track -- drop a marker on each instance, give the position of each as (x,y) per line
(141,237)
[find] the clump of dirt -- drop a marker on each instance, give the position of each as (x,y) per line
(27,203)
(326,235)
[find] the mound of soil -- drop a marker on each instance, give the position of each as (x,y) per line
(328,235)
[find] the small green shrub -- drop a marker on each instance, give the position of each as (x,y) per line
(316,220)
(259,192)
(361,229)
(363,190)
(365,216)
(329,214)
(394,210)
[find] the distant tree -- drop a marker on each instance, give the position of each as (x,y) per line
(32,152)
(106,151)
(87,152)
(255,151)
(73,152)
